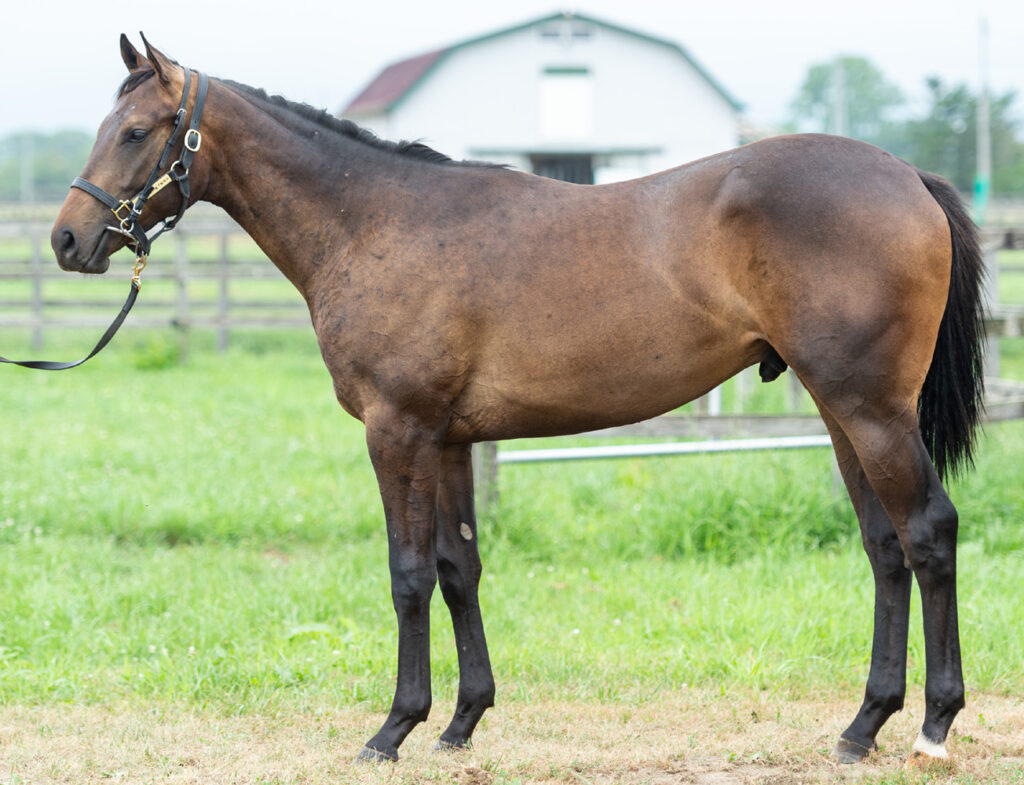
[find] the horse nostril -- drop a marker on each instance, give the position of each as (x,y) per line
(65,243)
(68,241)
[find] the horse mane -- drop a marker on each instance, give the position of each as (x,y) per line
(324,119)
(351,130)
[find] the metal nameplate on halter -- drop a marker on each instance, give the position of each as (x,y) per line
(160,184)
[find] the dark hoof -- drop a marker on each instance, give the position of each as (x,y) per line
(448,745)
(369,755)
(847,751)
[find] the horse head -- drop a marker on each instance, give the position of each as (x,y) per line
(120,194)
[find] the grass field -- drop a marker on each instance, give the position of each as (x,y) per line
(194,589)
(193,553)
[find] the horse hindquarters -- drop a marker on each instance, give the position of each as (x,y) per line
(870,395)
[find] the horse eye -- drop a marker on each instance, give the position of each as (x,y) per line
(137,135)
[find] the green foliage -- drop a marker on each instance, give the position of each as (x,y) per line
(157,352)
(44,164)
(848,95)
(945,141)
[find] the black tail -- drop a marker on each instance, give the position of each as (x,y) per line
(952,399)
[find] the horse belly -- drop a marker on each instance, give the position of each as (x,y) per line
(573,386)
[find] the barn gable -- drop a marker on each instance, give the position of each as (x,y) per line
(565,95)
(396,81)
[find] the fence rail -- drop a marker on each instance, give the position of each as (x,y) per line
(207,275)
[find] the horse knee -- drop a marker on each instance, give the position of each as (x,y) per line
(458,577)
(412,585)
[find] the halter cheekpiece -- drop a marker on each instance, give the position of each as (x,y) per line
(128,211)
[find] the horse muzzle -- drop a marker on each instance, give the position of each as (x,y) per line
(82,252)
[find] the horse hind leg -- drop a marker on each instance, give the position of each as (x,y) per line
(887,680)
(459,570)
(883,432)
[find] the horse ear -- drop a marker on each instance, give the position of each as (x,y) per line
(164,66)
(132,59)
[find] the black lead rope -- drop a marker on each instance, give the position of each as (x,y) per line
(48,365)
(129,222)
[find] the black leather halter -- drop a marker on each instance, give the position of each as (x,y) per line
(128,211)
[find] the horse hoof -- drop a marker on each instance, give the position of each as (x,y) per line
(369,755)
(847,751)
(923,762)
(929,757)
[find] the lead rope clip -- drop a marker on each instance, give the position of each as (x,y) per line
(140,265)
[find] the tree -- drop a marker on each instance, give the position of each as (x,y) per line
(945,141)
(848,96)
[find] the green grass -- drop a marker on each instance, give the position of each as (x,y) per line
(1011,282)
(210,533)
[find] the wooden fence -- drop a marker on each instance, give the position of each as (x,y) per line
(206,275)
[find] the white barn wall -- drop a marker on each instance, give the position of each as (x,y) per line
(482,95)
(482,100)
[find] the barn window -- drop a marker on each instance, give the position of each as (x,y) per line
(566,32)
(566,103)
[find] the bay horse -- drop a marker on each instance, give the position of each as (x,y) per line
(458,302)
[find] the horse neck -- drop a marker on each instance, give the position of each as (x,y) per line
(296,188)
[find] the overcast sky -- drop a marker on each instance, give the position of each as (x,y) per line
(59,60)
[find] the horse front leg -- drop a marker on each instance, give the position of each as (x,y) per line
(406,458)
(459,570)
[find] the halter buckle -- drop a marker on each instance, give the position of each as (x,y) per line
(126,204)
(193,140)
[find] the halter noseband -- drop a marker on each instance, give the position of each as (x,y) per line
(128,211)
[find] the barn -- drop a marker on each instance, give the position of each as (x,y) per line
(566,96)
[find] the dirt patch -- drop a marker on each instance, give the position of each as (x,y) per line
(686,737)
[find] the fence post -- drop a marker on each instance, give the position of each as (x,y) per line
(485,475)
(181,311)
(742,389)
(37,289)
(222,295)
(991,258)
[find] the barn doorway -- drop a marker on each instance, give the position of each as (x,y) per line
(572,168)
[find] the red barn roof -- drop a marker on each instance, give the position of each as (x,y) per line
(392,83)
(398,79)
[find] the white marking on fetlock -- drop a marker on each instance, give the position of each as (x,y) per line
(930,748)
